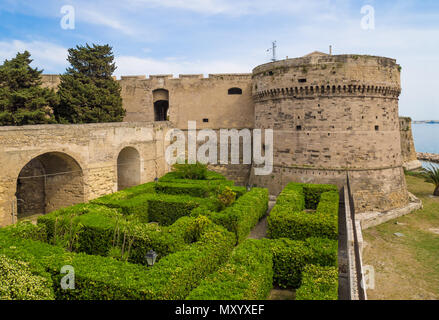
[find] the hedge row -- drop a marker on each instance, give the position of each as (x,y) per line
(102,229)
(288,219)
(19,282)
(96,277)
(211,176)
(291,256)
(126,193)
(200,190)
(243,215)
(318,283)
(161,208)
(248,275)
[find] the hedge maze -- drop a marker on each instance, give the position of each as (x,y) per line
(199,230)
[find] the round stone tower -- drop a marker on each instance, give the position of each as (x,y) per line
(334,117)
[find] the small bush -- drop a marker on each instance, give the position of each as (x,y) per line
(244,214)
(197,171)
(290,257)
(226,197)
(103,278)
(319,283)
(17,282)
(248,275)
(289,220)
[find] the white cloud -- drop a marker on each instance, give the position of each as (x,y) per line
(46,55)
(130,65)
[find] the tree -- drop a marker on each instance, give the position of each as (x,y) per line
(22,99)
(87,92)
(432,175)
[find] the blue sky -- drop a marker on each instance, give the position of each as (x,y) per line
(224,36)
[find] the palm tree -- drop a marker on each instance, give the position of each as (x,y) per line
(432,175)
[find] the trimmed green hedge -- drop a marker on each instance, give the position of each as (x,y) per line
(103,228)
(243,215)
(101,278)
(319,283)
(210,176)
(288,219)
(126,193)
(161,208)
(18,282)
(248,275)
(290,257)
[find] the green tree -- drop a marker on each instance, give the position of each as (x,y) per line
(87,92)
(22,99)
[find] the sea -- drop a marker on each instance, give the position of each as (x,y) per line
(426,137)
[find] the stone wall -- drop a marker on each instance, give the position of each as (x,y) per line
(333,116)
(408,151)
(77,163)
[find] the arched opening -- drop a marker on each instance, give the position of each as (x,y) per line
(235,91)
(49,182)
(161,104)
(128,168)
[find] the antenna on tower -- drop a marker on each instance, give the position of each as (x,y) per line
(273,50)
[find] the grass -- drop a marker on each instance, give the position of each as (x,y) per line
(406,267)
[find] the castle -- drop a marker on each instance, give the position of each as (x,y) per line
(335,118)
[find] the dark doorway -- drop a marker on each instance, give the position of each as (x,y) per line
(49,182)
(161,110)
(161,104)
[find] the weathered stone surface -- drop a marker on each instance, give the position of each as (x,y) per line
(52,166)
(408,152)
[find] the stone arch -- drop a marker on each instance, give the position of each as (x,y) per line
(48,182)
(128,168)
(161,104)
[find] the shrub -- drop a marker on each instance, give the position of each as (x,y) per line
(17,282)
(27,230)
(248,275)
(319,283)
(104,278)
(244,214)
(226,197)
(202,189)
(126,194)
(197,171)
(289,220)
(313,192)
(289,259)
(102,234)
(211,176)
(291,256)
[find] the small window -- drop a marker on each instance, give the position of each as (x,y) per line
(377,128)
(302,80)
(235,91)
(298,128)
(205,120)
